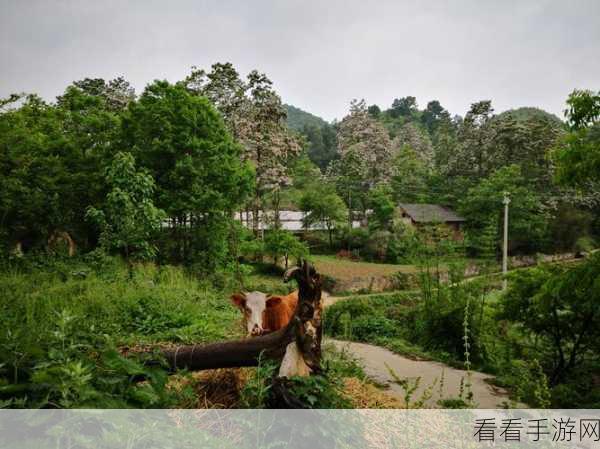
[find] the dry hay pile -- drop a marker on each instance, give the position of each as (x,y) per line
(213,389)
(363,394)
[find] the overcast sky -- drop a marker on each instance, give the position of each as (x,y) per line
(320,54)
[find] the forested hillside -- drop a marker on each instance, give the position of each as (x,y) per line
(318,134)
(297,119)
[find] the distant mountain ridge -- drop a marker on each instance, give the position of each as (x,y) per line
(297,118)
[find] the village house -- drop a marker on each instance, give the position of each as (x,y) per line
(419,215)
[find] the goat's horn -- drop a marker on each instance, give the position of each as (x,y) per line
(288,274)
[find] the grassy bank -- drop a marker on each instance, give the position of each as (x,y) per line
(65,324)
(433,323)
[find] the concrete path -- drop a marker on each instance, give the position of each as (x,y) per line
(375,359)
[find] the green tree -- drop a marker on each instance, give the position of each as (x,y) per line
(323,206)
(583,109)
(304,174)
(91,125)
(321,144)
(578,155)
(348,177)
(409,177)
(559,306)
(486,142)
(568,225)
(196,165)
(409,135)
(365,152)
(383,207)
(256,118)
(51,164)
(403,107)
(115,94)
(474,136)
(433,115)
(374,111)
(281,243)
(30,172)
(484,241)
(361,135)
(482,204)
(128,221)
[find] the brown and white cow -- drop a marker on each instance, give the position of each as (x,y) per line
(265,313)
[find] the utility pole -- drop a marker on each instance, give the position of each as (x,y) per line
(506,202)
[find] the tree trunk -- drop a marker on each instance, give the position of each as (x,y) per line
(276,218)
(230,354)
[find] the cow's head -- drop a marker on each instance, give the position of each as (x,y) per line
(253,305)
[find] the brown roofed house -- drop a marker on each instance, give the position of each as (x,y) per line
(426,214)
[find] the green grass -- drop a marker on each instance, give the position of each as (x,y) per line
(61,327)
(156,304)
(341,268)
(266,278)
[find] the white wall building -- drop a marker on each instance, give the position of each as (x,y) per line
(291,220)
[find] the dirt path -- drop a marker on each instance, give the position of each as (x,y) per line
(375,359)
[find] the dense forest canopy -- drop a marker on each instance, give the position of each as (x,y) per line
(426,155)
(217,143)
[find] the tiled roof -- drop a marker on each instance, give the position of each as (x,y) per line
(430,213)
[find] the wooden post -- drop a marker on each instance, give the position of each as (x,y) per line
(506,202)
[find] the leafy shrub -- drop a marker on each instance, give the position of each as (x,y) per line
(364,328)
(148,316)
(319,391)
(317,241)
(100,262)
(353,239)
(324,390)
(376,247)
(404,245)
(404,281)
(397,243)
(255,393)
(72,366)
(584,245)
(435,323)
(528,381)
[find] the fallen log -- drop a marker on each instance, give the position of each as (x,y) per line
(230,354)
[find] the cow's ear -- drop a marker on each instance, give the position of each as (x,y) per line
(273,301)
(239,300)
